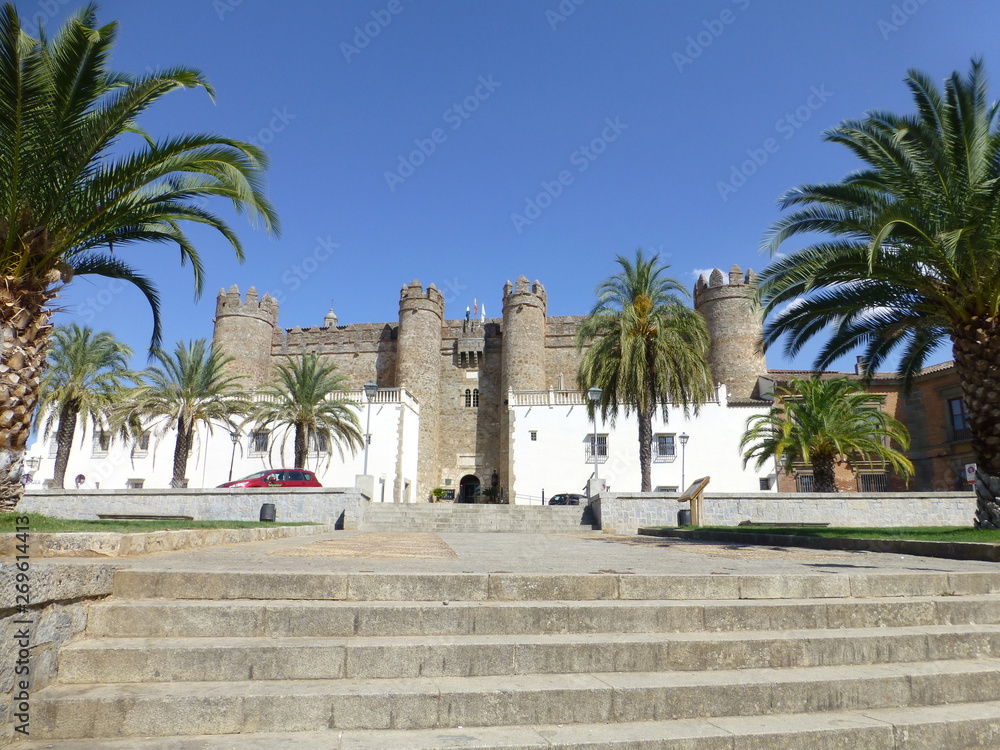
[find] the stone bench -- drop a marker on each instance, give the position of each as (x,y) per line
(141,517)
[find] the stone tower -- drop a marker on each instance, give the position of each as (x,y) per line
(736,327)
(244,331)
(418,370)
(523,366)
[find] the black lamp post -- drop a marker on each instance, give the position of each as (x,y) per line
(235,437)
(371,391)
(684,441)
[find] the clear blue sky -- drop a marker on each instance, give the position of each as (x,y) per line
(666,98)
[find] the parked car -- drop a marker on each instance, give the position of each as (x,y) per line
(567,499)
(276,478)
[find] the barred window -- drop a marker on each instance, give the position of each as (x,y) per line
(259,440)
(873,482)
(664,447)
(804,483)
(601,449)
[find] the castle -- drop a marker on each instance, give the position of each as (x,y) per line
(468,375)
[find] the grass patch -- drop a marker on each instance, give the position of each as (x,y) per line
(39,524)
(923,534)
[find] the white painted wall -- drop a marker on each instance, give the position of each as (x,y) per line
(557,462)
(393,428)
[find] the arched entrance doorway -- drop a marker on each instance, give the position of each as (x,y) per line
(468,489)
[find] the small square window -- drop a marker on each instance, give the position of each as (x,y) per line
(135,484)
(534,435)
(259,441)
(664,448)
(804,483)
(765,483)
(102,441)
(601,450)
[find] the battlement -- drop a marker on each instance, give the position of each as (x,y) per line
(413,296)
(716,286)
(521,292)
(232,304)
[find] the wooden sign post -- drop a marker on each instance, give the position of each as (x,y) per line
(694,494)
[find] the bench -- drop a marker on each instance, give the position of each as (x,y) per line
(799,524)
(141,517)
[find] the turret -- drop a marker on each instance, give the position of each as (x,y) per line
(736,327)
(418,370)
(524,307)
(244,331)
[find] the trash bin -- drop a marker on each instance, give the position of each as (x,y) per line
(683,517)
(267,512)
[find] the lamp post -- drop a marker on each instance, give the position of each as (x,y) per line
(594,395)
(235,437)
(371,390)
(684,441)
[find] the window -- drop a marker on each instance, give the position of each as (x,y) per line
(259,441)
(534,435)
(141,447)
(959,419)
(53,448)
(666,488)
(468,398)
(804,483)
(873,482)
(664,448)
(318,443)
(135,484)
(601,449)
(765,483)
(475,397)
(102,441)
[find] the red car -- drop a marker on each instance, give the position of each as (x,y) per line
(277,478)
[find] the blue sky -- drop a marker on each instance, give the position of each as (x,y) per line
(467,143)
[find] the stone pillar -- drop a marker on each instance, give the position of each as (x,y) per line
(418,370)
(244,331)
(736,327)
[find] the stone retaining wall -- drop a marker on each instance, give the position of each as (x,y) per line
(342,507)
(624,513)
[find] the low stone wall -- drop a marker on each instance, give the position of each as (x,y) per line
(624,513)
(341,507)
(60,596)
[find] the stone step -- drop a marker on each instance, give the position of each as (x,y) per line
(146,584)
(194,708)
(136,660)
(150,618)
(922,728)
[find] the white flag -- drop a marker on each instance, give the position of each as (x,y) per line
(483,319)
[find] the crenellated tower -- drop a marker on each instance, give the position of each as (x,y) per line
(244,331)
(418,370)
(523,364)
(736,327)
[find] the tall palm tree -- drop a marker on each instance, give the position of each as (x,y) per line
(87,375)
(306,398)
(186,389)
(647,348)
(823,422)
(913,254)
(80,182)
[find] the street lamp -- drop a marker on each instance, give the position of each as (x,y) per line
(594,395)
(371,390)
(235,437)
(684,441)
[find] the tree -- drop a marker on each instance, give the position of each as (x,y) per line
(307,398)
(913,254)
(75,190)
(646,348)
(186,389)
(87,375)
(823,423)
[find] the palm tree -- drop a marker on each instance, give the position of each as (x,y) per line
(80,182)
(822,423)
(186,389)
(87,375)
(646,348)
(307,397)
(913,254)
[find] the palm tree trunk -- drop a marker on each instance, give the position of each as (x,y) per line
(823,474)
(976,347)
(181,450)
(300,446)
(64,442)
(26,329)
(646,448)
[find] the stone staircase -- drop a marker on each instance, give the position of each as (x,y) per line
(444,517)
(389,661)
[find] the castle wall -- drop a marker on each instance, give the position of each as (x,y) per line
(562,357)
(363,352)
(243,331)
